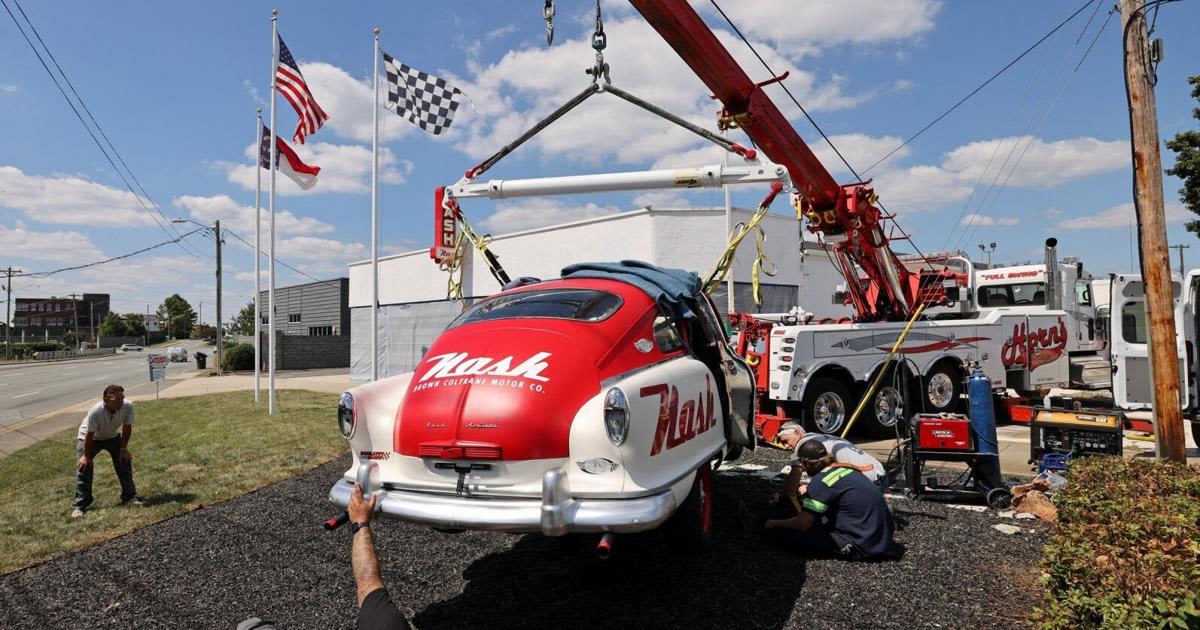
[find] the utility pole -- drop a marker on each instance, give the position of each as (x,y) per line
(75,318)
(216,228)
(146,327)
(92,320)
(1148,204)
(1180,248)
(8,313)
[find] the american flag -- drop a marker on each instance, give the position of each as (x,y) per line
(291,85)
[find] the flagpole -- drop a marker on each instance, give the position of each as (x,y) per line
(271,265)
(375,220)
(258,259)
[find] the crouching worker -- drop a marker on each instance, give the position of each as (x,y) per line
(107,426)
(839,513)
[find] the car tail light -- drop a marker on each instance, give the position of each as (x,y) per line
(346,415)
(616,416)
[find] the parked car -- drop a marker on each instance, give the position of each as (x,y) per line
(130,347)
(568,406)
(177,354)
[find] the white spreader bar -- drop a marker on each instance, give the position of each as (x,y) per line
(713,176)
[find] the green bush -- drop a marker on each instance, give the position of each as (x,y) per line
(26,349)
(238,356)
(1126,552)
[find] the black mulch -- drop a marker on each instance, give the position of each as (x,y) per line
(266,555)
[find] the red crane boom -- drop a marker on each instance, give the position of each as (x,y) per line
(846,215)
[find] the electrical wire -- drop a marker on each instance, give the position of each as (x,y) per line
(262,253)
(43,274)
(979,87)
(166,228)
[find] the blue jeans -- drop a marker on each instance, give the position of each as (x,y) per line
(83,478)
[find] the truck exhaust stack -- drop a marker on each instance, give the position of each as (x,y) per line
(1053,299)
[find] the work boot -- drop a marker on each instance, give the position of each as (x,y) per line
(751,523)
(134,502)
(76,513)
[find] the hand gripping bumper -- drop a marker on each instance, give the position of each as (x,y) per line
(555,514)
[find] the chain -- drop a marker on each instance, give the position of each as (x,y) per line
(599,43)
(548,14)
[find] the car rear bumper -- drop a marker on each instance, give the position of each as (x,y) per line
(555,514)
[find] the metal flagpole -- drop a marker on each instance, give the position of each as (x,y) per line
(271,247)
(258,260)
(375,221)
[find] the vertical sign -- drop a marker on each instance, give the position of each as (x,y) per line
(445,227)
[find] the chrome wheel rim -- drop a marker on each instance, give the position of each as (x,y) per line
(888,406)
(829,412)
(941,390)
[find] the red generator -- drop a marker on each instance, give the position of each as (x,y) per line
(944,432)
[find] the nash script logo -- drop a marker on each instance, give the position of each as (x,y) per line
(462,364)
(1035,347)
(677,424)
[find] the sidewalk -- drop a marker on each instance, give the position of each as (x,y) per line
(191,383)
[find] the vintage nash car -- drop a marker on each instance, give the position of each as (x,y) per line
(595,403)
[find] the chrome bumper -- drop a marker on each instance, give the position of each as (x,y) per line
(555,514)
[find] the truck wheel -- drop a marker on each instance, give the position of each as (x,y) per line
(1196,433)
(887,407)
(689,530)
(826,406)
(943,390)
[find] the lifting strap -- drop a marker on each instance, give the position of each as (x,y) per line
(452,265)
(480,243)
(725,262)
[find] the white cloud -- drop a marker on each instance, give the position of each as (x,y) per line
(347,100)
(311,248)
(344,169)
(8,88)
(532,213)
(1043,165)
(525,85)
(985,221)
(241,218)
(70,200)
(859,149)
(800,28)
(61,247)
(662,199)
(1119,216)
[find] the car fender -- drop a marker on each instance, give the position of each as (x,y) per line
(376,407)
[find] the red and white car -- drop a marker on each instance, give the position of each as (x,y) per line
(565,406)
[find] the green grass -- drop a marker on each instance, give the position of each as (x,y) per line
(187,453)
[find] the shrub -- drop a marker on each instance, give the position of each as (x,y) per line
(238,356)
(1126,553)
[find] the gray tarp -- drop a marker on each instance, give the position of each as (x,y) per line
(405,332)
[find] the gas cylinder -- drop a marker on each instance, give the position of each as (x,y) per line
(983,416)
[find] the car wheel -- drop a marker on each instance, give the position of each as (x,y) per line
(689,530)
(826,406)
(943,390)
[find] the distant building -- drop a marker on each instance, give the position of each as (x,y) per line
(316,309)
(151,322)
(50,318)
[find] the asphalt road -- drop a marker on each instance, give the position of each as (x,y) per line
(34,389)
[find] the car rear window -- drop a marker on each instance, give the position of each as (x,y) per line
(583,305)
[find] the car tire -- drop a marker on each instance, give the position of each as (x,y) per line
(942,390)
(689,530)
(827,406)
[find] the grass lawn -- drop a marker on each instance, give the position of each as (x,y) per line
(187,453)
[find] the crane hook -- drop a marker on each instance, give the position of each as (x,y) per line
(548,14)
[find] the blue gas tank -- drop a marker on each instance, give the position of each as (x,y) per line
(983,415)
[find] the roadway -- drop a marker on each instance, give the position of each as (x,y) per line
(39,388)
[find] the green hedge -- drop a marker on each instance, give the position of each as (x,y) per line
(24,350)
(1126,552)
(239,356)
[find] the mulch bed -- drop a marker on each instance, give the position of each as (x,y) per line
(265,554)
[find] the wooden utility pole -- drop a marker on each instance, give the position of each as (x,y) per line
(8,313)
(1152,228)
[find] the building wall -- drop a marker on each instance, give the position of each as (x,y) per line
(308,352)
(52,317)
(316,304)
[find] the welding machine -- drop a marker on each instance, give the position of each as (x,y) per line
(948,437)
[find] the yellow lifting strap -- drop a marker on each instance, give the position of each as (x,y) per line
(453,266)
(725,262)
(883,370)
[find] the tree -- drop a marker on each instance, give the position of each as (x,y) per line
(1186,145)
(136,324)
(178,316)
(243,324)
(113,326)
(203,331)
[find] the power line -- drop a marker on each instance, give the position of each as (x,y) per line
(43,274)
(979,87)
(166,228)
(262,253)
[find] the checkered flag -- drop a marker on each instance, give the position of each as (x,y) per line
(422,99)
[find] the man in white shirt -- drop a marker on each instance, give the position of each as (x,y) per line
(107,426)
(843,452)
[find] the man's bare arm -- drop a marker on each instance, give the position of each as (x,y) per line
(366,564)
(802,522)
(126,431)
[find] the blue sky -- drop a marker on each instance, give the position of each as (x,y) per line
(175,86)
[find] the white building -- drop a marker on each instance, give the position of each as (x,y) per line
(412,289)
